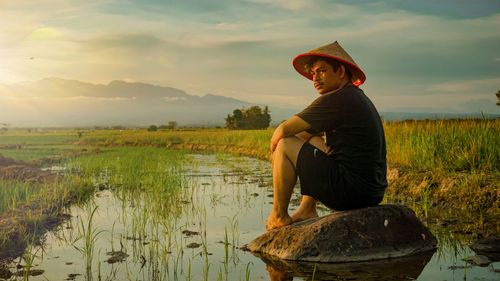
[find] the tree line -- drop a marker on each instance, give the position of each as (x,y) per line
(251,118)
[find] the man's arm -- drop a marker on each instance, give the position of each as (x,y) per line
(289,128)
(306,136)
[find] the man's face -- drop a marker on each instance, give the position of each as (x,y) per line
(324,78)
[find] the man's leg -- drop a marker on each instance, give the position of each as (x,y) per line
(284,179)
(307,208)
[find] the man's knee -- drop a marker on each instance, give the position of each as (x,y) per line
(289,147)
(289,144)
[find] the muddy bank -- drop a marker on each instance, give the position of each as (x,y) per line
(11,169)
(29,220)
(466,203)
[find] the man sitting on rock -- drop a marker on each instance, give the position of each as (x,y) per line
(345,168)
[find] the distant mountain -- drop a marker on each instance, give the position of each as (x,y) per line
(66,103)
(61,102)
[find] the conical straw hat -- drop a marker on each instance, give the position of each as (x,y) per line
(333,51)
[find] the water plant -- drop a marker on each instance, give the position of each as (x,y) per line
(28,258)
(88,235)
(247,271)
(314,271)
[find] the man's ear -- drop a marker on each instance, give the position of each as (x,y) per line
(341,71)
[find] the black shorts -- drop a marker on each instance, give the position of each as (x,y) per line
(324,180)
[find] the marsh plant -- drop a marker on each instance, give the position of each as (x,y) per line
(28,258)
(88,237)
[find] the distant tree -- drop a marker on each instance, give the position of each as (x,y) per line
(152,128)
(235,121)
(251,118)
(498,97)
(267,116)
(5,127)
(172,125)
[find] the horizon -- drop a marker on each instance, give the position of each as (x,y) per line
(419,57)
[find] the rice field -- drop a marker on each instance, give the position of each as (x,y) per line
(443,145)
(167,215)
(146,174)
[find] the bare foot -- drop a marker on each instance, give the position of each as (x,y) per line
(301,215)
(275,221)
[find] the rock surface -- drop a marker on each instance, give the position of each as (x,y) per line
(478,260)
(489,246)
(386,231)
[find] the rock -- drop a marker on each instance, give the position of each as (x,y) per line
(193,245)
(190,233)
(116,256)
(478,260)
(31,272)
(72,276)
(404,268)
(5,273)
(386,231)
(489,246)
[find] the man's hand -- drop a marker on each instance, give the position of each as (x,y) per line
(277,136)
(289,128)
(304,136)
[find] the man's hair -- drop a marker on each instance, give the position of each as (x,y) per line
(334,63)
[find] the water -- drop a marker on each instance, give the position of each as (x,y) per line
(222,204)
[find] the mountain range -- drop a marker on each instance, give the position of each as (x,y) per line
(55,102)
(61,102)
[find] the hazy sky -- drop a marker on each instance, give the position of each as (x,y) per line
(417,54)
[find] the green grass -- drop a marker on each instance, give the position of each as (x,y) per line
(128,167)
(445,145)
(32,146)
(131,172)
(439,145)
(38,138)
(33,153)
(253,143)
(13,193)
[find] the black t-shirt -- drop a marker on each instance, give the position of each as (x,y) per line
(355,134)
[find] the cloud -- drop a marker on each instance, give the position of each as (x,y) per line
(44,33)
(234,48)
(436,103)
(49,99)
(174,99)
(468,87)
(138,41)
(456,9)
(292,5)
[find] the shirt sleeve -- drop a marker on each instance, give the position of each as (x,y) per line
(323,114)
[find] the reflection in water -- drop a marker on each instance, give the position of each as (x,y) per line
(407,268)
